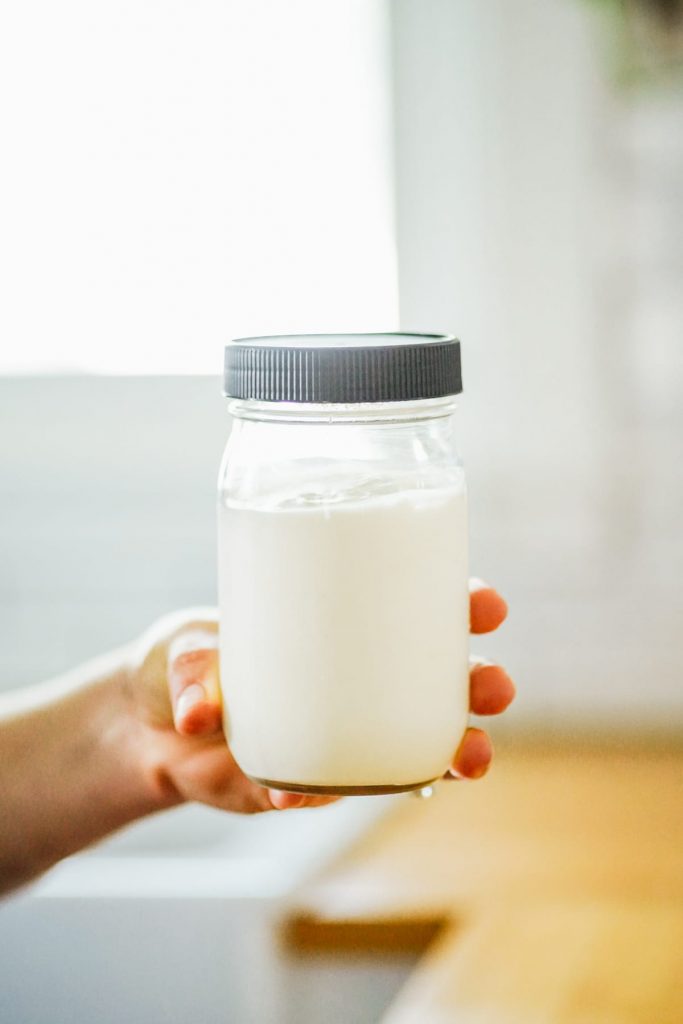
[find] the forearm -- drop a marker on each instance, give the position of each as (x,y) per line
(72,768)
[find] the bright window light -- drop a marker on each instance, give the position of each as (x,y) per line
(175,174)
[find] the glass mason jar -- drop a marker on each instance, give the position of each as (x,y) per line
(344,609)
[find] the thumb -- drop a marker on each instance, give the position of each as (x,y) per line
(193,681)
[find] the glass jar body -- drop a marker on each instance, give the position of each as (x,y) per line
(344,609)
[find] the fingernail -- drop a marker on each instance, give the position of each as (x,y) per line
(476,663)
(283,801)
(275,797)
(471,776)
(292,800)
(477,584)
(188,699)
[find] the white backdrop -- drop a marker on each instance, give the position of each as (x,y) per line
(177,173)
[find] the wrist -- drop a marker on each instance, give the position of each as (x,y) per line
(75,767)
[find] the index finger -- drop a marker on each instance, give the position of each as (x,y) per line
(487,607)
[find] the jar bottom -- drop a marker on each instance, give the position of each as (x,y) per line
(293,787)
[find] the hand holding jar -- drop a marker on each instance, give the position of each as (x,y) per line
(344,600)
(138,730)
(179,656)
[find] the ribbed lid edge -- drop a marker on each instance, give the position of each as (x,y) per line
(306,372)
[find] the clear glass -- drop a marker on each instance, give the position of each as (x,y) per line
(343,594)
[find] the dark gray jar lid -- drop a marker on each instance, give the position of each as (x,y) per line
(343,368)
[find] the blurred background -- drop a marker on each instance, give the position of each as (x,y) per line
(176,175)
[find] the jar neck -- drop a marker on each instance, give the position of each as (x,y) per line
(331,413)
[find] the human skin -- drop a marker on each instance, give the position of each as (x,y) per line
(139,730)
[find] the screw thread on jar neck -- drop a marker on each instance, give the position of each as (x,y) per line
(375,412)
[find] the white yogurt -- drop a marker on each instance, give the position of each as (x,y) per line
(344,634)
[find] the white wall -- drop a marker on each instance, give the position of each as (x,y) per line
(107,512)
(537,210)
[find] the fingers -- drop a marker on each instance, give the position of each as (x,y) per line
(491,692)
(487,607)
(193,682)
(473,757)
(491,689)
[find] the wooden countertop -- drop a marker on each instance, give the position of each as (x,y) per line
(551,891)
